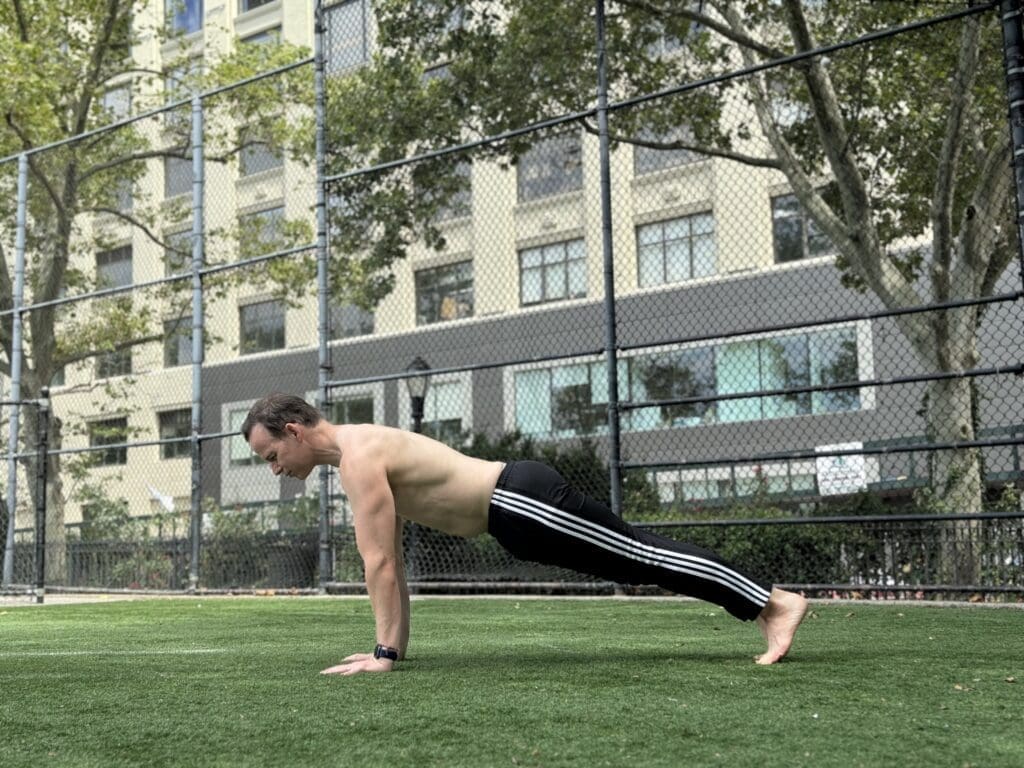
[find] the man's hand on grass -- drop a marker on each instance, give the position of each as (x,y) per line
(359,662)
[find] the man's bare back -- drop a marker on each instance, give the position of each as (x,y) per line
(432,484)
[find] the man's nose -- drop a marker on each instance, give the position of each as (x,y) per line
(276,468)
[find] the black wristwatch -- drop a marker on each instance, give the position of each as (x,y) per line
(384,652)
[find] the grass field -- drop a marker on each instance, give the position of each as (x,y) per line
(197,682)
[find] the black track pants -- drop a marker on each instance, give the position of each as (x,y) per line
(536,515)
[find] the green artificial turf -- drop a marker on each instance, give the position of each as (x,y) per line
(197,682)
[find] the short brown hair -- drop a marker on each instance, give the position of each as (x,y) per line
(277,409)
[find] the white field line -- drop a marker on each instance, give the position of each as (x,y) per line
(111,652)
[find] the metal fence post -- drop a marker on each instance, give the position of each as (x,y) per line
(611,341)
(198,179)
(16,352)
(323,307)
(1013,58)
(42,461)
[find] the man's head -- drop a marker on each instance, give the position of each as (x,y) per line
(278,428)
(277,409)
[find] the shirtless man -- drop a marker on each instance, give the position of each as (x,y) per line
(391,475)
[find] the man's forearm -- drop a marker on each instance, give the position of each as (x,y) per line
(389,599)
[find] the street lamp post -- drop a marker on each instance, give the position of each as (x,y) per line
(417,385)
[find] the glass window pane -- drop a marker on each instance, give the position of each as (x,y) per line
(348,40)
(532,283)
(737,370)
(677,261)
(177,176)
(555,281)
(834,360)
(552,166)
(651,267)
(239,453)
(648,234)
(531,257)
(533,402)
(704,256)
(577,279)
(784,365)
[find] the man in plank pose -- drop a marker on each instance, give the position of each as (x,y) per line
(391,475)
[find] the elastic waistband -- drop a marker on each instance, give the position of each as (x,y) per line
(505,474)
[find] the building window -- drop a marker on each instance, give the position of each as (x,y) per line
(251,5)
(442,411)
(261,232)
(239,452)
(787,362)
(183,16)
(444,293)
(258,156)
(175,424)
(348,321)
(110,432)
(261,327)
(552,166)
(459,205)
(795,234)
(114,270)
(178,175)
(676,250)
(115,363)
(177,253)
(673,375)
(118,102)
(114,267)
(552,272)
(177,342)
(357,409)
(564,401)
(271,36)
(571,400)
(349,39)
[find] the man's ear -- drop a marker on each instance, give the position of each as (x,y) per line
(293,428)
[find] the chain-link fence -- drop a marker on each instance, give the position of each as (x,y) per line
(763,292)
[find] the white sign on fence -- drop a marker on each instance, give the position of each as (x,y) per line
(840,474)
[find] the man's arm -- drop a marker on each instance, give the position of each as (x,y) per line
(378,537)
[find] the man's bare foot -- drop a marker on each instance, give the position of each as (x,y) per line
(778,622)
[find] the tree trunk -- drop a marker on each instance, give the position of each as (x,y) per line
(956,477)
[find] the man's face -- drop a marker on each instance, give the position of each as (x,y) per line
(289,455)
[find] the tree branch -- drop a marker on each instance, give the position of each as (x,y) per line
(129,219)
(677,10)
(757,162)
(991,195)
(19,13)
(948,161)
(92,79)
(175,151)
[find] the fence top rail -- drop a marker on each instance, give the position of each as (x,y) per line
(169,106)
